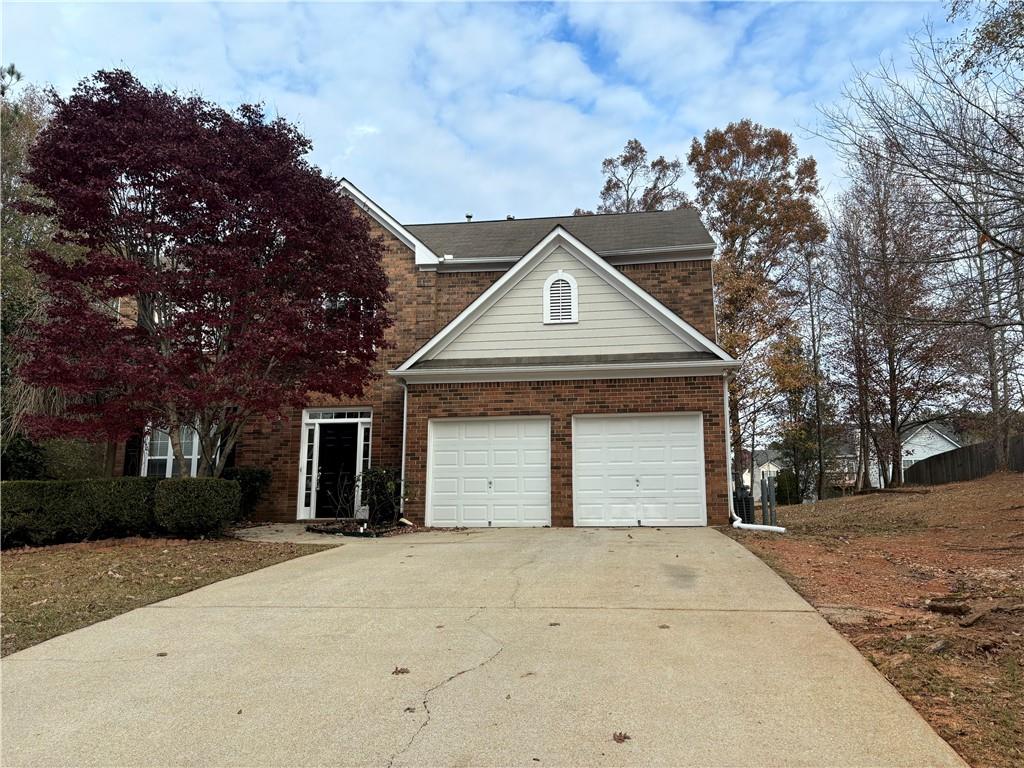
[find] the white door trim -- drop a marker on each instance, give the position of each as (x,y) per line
(428,507)
(312,418)
(700,442)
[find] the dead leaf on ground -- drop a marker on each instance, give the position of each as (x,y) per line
(554,624)
(663,626)
(620,736)
(400,671)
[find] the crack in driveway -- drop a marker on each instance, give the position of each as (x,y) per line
(514,597)
(443,683)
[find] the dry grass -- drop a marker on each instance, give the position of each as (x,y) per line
(870,564)
(48,591)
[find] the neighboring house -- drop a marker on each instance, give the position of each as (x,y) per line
(555,371)
(919,443)
(767,463)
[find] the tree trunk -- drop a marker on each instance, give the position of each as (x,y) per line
(183,470)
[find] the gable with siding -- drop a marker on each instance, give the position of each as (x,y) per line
(608,322)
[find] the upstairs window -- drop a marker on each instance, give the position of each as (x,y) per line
(561,299)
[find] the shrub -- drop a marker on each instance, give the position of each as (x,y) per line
(253,481)
(39,512)
(22,460)
(382,493)
(129,506)
(196,506)
(21,505)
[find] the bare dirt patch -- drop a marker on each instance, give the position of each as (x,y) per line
(930,587)
(48,591)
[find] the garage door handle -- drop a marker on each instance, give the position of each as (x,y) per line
(638,482)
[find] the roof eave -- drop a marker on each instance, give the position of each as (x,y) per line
(559,372)
(424,257)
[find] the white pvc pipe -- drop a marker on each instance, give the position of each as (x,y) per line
(737,521)
(405,419)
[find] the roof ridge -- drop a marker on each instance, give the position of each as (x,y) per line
(544,218)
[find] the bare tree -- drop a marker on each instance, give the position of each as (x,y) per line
(894,365)
(954,130)
(635,183)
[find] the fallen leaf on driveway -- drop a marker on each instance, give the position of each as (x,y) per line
(400,671)
(618,737)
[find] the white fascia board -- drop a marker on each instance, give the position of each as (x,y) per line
(425,258)
(564,372)
(560,236)
(935,432)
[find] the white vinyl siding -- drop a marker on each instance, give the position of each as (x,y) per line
(608,322)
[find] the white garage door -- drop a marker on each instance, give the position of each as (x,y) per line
(484,472)
(638,470)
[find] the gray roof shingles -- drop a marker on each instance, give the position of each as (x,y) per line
(510,239)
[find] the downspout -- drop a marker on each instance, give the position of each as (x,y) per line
(405,419)
(737,521)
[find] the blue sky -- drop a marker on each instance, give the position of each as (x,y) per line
(436,110)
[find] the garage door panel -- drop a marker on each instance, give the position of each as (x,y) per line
(664,452)
(506,458)
(509,485)
(535,485)
(490,472)
(615,483)
(445,515)
(537,428)
(478,429)
(647,454)
(445,485)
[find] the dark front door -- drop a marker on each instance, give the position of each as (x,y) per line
(336,473)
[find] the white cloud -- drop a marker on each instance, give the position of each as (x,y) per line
(437,110)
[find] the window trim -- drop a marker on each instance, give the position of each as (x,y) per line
(573,298)
(169,458)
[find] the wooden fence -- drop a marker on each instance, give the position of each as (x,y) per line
(967,463)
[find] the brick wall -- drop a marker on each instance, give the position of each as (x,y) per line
(685,287)
(561,400)
(423,302)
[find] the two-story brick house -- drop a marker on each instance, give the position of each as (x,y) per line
(554,371)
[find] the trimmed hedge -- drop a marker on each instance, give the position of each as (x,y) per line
(40,512)
(253,481)
(196,506)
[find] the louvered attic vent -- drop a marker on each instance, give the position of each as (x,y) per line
(560,299)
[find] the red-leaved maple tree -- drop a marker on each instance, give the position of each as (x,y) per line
(218,277)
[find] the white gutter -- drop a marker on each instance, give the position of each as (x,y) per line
(405,418)
(737,521)
(557,372)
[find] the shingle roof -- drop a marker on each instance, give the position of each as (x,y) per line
(607,233)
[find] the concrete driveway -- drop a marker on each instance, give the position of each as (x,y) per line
(523,647)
